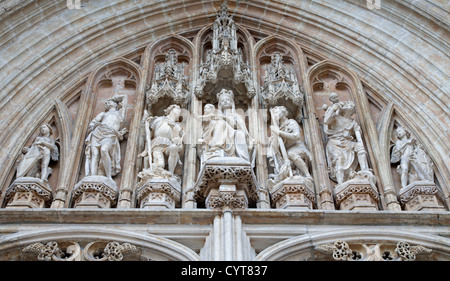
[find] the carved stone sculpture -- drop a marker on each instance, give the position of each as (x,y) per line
(225,55)
(169,80)
(403,251)
(54,251)
(103,141)
(226,134)
(347,157)
(226,178)
(31,188)
(418,192)
(164,145)
(291,182)
(105,132)
(280,82)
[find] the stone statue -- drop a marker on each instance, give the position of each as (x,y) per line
(35,162)
(164,139)
(345,148)
(415,164)
(226,134)
(286,146)
(103,141)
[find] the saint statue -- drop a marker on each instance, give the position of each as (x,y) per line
(164,141)
(345,148)
(103,141)
(35,162)
(226,134)
(286,147)
(415,164)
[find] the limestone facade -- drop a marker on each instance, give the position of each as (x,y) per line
(224,130)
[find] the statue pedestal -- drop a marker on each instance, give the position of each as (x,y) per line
(293,193)
(159,194)
(357,195)
(226,183)
(421,196)
(95,192)
(28,192)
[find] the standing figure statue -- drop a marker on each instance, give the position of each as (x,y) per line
(287,146)
(345,148)
(35,162)
(164,141)
(415,164)
(228,136)
(103,141)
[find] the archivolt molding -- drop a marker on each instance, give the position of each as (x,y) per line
(305,244)
(145,243)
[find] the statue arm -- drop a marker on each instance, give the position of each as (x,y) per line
(295,134)
(330,114)
(95,121)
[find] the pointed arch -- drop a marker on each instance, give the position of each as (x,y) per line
(305,244)
(13,244)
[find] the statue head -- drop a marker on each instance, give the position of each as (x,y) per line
(401,132)
(112,103)
(174,110)
(226,99)
(334,97)
(279,112)
(45,130)
(348,108)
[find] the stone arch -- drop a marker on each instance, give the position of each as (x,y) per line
(149,247)
(303,246)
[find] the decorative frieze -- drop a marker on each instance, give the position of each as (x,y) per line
(403,251)
(73,251)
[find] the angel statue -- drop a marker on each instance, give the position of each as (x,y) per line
(414,162)
(35,162)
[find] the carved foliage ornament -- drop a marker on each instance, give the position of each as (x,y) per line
(341,250)
(71,251)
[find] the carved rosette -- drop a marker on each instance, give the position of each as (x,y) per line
(54,251)
(108,251)
(73,251)
(95,192)
(28,192)
(402,251)
(292,193)
(422,196)
(159,193)
(222,179)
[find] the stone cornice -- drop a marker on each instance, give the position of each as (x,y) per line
(206,217)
